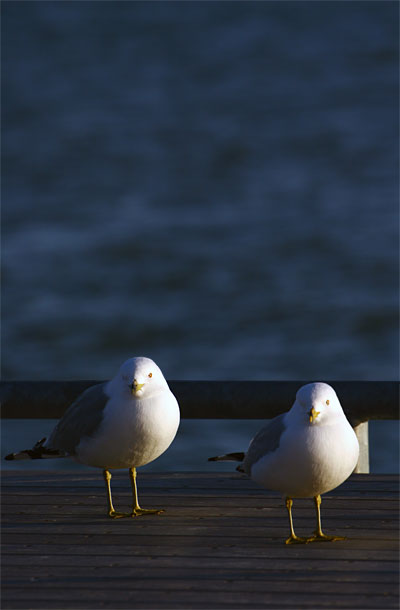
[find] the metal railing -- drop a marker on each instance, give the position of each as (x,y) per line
(361,401)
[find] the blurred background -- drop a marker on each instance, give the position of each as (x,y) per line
(211,184)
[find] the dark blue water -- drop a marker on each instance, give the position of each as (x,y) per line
(212,184)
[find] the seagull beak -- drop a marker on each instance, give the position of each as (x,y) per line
(136,386)
(313,414)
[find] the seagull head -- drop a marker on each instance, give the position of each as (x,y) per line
(141,376)
(317,403)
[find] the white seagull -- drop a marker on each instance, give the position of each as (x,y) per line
(303,453)
(124,423)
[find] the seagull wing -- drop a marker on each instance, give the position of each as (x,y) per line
(81,419)
(265,441)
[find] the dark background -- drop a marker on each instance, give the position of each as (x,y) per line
(211,184)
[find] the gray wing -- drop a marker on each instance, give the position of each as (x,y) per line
(81,419)
(264,442)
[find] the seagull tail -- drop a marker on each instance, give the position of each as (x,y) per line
(238,456)
(37,452)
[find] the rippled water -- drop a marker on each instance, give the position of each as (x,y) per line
(210,184)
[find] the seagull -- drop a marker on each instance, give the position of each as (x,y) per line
(123,423)
(303,453)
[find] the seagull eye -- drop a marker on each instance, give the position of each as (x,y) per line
(150,375)
(327,402)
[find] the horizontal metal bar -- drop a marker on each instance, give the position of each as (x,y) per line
(361,400)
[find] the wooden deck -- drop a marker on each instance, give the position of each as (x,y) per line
(220,544)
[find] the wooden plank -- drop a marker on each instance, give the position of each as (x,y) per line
(209,599)
(239,579)
(270,536)
(366,603)
(219,545)
(149,564)
(244,585)
(131,582)
(230,557)
(102,526)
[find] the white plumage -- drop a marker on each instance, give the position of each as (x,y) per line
(305,452)
(136,427)
(124,423)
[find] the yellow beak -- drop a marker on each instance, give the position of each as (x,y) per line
(135,387)
(313,414)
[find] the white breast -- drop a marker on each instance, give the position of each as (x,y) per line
(310,460)
(132,432)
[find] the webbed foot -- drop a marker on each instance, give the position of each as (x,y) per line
(114,514)
(293,539)
(321,537)
(137,512)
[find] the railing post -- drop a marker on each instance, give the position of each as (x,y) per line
(363,460)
